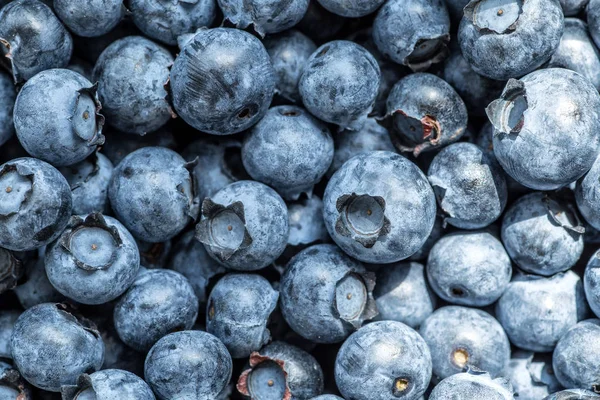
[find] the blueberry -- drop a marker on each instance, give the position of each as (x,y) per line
(223,81)
(306,222)
(188,365)
(158,302)
(424,112)
(400,33)
(525,33)
(469,268)
(542,234)
(573,7)
(460,337)
(559,299)
(7,101)
(89,18)
(326,295)
(36,289)
(473,385)
(340,84)
(108,384)
(165,21)
(131,74)
(591,282)
(7,322)
(244,226)
(94,261)
(52,346)
(593,19)
(289,150)
(319,24)
(439,229)
(351,9)
(577,52)
(289,52)
(281,371)
(34,38)
(12,384)
(576,357)
(89,180)
(402,294)
(67,127)
(11,270)
(35,204)
(573,394)
(388,358)
(531,378)
(369,218)
(152,193)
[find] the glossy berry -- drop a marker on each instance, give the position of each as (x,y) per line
(472,384)
(89,18)
(107,384)
(531,377)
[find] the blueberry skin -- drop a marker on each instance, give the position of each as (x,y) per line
(66,127)
(525,34)
(35,204)
(469,185)
(36,39)
(576,357)
(351,9)
(89,18)
(542,234)
(591,282)
(94,261)
(424,112)
(158,302)
(165,21)
(289,150)
(222,81)
(51,346)
(469,268)
(402,294)
(238,311)
(7,322)
(89,180)
(340,84)
(36,289)
(289,52)
(108,384)
(388,358)
(265,16)
(132,73)
(400,220)
(460,336)
(573,394)
(436,233)
(8,95)
(317,291)
(531,379)
(188,365)
(473,385)
(587,191)
(577,51)
(573,7)
(400,34)
(259,224)
(152,194)
(306,222)
(560,299)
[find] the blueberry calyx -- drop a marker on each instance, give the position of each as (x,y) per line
(16,182)
(507,114)
(566,218)
(71,392)
(97,139)
(428,51)
(95,169)
(72,314)
(11,378)
(7,60)
(362,218)
(11,270)
(367,309)
(243,385)
(494,16)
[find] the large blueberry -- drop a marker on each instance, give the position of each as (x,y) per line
(108,384)
(90,18)
(366,214)
(531,378)
(223,81)
(591,282)
(353,8)
(473,385)
(8,95)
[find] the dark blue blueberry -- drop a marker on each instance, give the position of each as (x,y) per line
(573,7)
(158,302)
(413,32)
(542,234)
(369,218)
(319,24)
(7,322)
(289,150)
(239,308)
(383,360)
(573,394)
(459,337)
(35,204)
(353,8)
(289,52)
(223,81)
(94,261)
(132,73)
(536,312)
(244,226)
(34,38)
(524,34)
(188,365)
(89,18)
(473,385)
(11,270)
(52,346)
(439,229)
(108,384)
(8,95)
(425,112)
(469,268)
(306,222)
(340,84)
(591,282)
(152,194)
(576,357)
(281,371)
(326,295)
(402,294)
(165,21)
(119,144)
(64,128)
(531,378)
(36,288)
(12,384)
